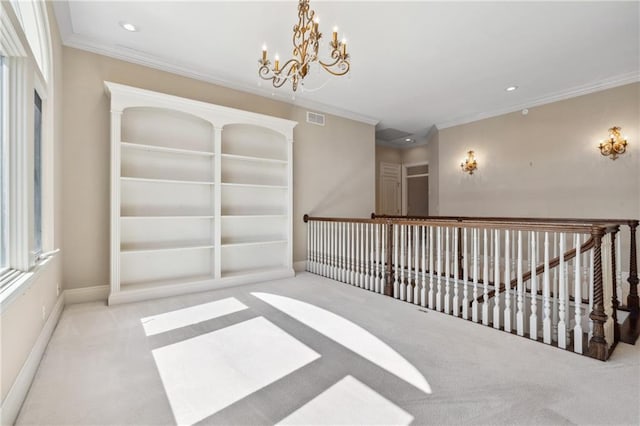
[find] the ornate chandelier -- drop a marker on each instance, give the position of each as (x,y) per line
(305,51)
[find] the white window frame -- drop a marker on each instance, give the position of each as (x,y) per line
(24,78)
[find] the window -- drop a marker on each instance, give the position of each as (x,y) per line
(37,174)
(26,134)
(4,172)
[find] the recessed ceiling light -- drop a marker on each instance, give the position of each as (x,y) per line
(128,26)
(407,140)
(511,88)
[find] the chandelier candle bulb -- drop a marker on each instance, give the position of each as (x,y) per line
(306,37)
(264,53)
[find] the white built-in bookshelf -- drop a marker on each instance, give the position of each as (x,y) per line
(201,195)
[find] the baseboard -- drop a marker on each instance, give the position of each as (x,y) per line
(86,294)
(300,266)
(18,392)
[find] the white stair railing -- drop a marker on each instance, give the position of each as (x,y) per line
(557,283)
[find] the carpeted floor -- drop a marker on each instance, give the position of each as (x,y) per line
(309,350)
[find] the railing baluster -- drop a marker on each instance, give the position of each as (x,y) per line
(336,244)
(383,258)
(456,272)
(416,284)
(485,279)
(447,272)
(332,234)
(562,295)
(356,257)
(409,242)
(343,232)
(496,280)
(396,248)
(439,268)
(577,294)
(546,303)
(403,242)
(423,289)
(321,248)
(367,257)
(309,250)
(520,290)
(507,281)
(377,260)
(352,249)
(476,248)
(372,257)
(317,239)
(363,255)
(431,272)
(533,317)
(465,276)
(389,266)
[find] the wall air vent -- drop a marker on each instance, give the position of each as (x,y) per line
(315,118)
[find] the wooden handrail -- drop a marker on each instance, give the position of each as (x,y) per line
(451,223)
(513,219)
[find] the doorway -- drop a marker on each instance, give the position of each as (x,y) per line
(415,188)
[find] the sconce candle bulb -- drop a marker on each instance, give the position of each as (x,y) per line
(614,145)
(469,164)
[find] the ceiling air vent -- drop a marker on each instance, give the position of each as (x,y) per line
(315,118)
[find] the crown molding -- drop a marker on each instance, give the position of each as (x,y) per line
(610,83)
(76,41)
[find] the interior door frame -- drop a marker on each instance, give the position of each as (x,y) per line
(405,184)
(380,189)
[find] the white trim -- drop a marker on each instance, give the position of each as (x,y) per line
(300,266)
(18,392)
(86,294)
(620,80)
(140,294)
(20,286)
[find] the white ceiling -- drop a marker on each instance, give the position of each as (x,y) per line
(414,64)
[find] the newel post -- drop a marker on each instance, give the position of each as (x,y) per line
(388,278)
(632,298)
(614,293)
(598,344)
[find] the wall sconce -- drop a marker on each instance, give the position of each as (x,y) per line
(615,145)
(469,164)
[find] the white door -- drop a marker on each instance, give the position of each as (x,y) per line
(390,178)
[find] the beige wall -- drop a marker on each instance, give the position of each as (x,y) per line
(416,154)
(21,321)
(546,164)
(333,165)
